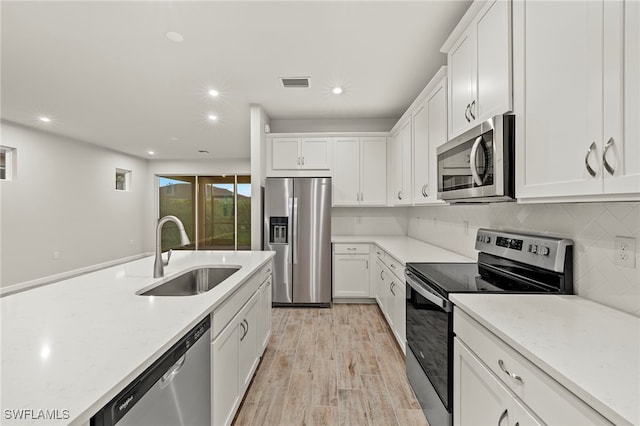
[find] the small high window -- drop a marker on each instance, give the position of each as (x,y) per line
(7,163)
(123,180)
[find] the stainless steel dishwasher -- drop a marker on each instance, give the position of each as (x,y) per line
(174,391)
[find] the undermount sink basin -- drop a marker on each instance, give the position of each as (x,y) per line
(193,282)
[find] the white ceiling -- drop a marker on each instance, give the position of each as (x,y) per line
(106,74)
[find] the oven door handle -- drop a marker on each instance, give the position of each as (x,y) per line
(436,299)
(472,161)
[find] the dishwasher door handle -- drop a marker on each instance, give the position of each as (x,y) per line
(173,372)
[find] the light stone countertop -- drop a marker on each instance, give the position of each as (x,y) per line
(591,349)
(406,249)
(73,345)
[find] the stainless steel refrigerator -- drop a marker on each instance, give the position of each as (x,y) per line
(297,226)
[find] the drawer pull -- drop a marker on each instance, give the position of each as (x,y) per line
(503,416)
(351,248)
(268,271)
(507,372)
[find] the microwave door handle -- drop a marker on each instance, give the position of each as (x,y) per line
(472,161)
(431,297)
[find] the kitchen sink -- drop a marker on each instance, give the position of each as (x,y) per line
(193,282)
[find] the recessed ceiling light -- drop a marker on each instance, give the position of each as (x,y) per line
(212,117)
(150,152)
(174,36)
(214,92)
(337,90)
(45,119)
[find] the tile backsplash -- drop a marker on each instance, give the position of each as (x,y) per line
(592,226)
(368,221)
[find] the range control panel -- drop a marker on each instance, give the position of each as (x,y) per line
(537,250)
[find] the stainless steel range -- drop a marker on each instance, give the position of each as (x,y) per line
(508,262)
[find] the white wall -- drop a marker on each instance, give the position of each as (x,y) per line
(64,200)
(369,221)
(332,125)
(592,226)
(258,171)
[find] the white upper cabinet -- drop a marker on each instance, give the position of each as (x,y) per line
(300,154)
(402,164)
(429,131)
(285,153)
(346,172)
(479,66)
(576,71)
(314,153)
(360,171)
(373,171)
(621,155)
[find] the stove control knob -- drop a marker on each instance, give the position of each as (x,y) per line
(534,249)
(544,251)
(487,239)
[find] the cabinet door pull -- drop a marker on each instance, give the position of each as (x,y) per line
(244,330)
(473,104)
(381,277)
(508,373)
(367,263)
(503,416)
(247,323)
(591,149)
(391,288)
(303,161)
(466,113)
(607,166)
(399,197)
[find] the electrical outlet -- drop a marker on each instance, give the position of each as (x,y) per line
(625,252)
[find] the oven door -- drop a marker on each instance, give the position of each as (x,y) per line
(429,320)
(472,166)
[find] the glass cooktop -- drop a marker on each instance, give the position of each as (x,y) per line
(470,278)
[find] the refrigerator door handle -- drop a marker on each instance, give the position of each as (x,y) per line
(294,238)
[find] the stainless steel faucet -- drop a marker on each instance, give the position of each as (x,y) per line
(159,264)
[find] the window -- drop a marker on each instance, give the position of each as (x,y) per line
(219,206)
(177,197)
(7,163)
(123,180)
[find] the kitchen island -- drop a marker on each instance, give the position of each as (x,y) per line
(71,346)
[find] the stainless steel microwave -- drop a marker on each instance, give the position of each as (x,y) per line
(478,166)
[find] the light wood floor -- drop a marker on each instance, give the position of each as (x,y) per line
(337,366)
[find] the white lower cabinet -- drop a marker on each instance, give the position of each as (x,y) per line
(225,384)
(390,292)
(264,316)
(494,384)
(351,271)
(248,351)
(238,344)
(480,398)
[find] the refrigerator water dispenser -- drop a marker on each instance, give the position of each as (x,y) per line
(278,229)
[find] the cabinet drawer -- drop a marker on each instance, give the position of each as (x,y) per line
(266,271)
(552,402)
(342,248)
(230,307)
(396,267)
(380,253)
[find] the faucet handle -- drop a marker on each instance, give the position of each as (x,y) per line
(166,262)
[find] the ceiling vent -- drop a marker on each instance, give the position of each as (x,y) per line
(295,82)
